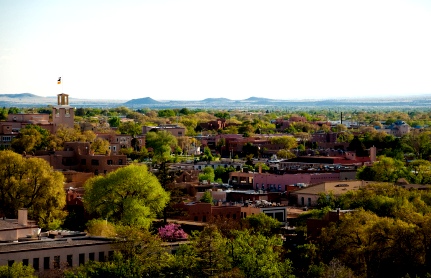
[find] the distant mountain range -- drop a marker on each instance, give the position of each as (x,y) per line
(252,103)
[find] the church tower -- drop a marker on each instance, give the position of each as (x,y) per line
(62,113)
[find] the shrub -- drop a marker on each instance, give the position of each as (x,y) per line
(171,232)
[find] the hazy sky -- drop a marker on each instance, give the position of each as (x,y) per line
(191,50)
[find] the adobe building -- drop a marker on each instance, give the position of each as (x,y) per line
(175,130)
(308,196)
(13,229)
(62,113)
(77,156)
(204,212)
(47,254)
(315,226)
(276,211)
(241,180)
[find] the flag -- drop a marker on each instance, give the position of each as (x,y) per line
(59,80)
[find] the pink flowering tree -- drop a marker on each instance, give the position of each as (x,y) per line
(172,232)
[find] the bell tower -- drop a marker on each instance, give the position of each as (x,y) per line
(62,113)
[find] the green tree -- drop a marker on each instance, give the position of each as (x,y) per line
(207,198)
(262,166)
(17,270)
(288,142)
(261,223)
(419,143)
(138,254)
(100,227)
(207,175)
(30,138)
(372,246)
(257,255)
(114,122)
(162,143)
(166,113)
(100,146)
(130,128)
(207,155)
(386,169)
(211,251)
(223,173)
(26,141)
(31,183)
(130,196)
(62,135)
(284,153)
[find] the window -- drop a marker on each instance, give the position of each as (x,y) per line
(302,201)
(69,259)
(25,262)
(309,202)
(110,254)
(279,216)
(10,262)
(109,162)
(7,138)
(120,162)
(36,263)
(91,256)
(94,162)
(81,259)
(46,263)
(56,262)
(101,256)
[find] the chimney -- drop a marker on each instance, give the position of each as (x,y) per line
(22,217)
(260,168)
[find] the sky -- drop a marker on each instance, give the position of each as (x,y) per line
(197,49)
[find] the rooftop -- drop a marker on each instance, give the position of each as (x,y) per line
(46,243)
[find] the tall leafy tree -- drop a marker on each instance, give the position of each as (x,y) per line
(33,184)
(288,142)
(114,121)
(207,175)
(130,196)
(130,128)
(31,138)
(17,270)
(257,255)
(386,169)
(162,143)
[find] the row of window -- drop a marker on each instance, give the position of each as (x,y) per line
(95,162)
(268,186)
(303,202)
(7,138)
(69,260)
(204,217)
